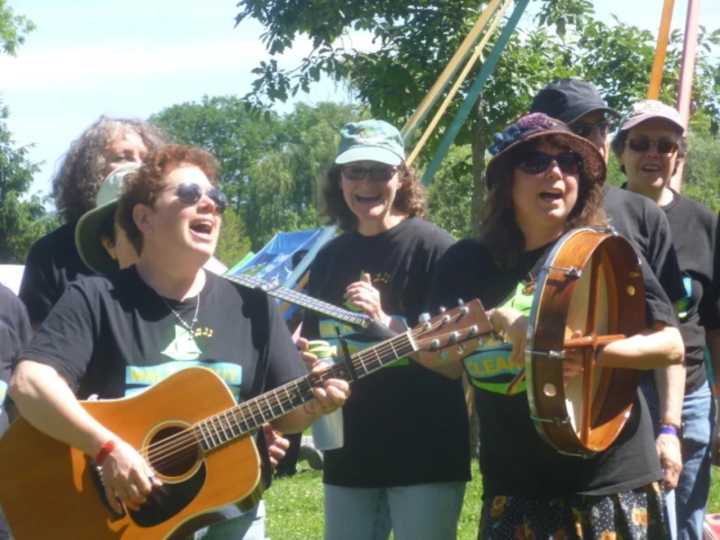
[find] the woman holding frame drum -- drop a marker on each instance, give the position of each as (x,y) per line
(543,181)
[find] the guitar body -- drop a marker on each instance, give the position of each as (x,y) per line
(49,490)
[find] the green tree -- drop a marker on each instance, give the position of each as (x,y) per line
(22,219)
(12,29)
(270,164)
(416,41)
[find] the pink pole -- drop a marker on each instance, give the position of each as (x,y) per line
(687,70)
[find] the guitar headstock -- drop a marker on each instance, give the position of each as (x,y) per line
(451,327)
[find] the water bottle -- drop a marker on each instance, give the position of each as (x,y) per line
(327,430)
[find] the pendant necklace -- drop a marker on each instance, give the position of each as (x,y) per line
(189,327)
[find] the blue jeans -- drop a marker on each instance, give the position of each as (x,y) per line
(693,488)
(418,512)
(236,525)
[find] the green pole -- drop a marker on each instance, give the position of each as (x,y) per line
(487,69)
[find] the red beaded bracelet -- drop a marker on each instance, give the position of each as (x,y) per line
(105,450)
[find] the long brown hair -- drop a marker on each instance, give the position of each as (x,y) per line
(409,199)
(499,229)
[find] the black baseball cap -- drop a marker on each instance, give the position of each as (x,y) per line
(569,99)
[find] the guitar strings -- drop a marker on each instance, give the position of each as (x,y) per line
(174,447)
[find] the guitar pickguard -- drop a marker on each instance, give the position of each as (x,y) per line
(169,499)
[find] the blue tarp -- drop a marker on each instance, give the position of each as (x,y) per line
(274,262)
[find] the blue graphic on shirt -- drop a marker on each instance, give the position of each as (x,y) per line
(330,328)
(683,304)
(140,378)
(488,367)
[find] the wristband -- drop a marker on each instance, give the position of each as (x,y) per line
(105,450)
(669,429)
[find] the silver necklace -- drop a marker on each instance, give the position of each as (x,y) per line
(189,327)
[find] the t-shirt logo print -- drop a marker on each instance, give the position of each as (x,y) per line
(183,346)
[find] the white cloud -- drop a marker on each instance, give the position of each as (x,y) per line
(64,68)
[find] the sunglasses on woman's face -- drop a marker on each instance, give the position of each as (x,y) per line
(643,143)
(376,173)
(190,193)
(539,162)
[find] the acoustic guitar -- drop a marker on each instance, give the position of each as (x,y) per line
(194,436)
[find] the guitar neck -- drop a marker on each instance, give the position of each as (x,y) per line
(236,422)
(303,300)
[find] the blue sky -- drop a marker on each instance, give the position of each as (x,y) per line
(136,57)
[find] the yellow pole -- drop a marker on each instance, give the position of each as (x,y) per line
(458,83)
(661,48)
(451,68)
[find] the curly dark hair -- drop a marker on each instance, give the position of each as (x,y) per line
(85,166)
(409,199)
(144,185)
(499,229)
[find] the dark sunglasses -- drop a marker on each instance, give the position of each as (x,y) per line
(642,144)
(539,162)
(378,173)
(585,129)
(190,193)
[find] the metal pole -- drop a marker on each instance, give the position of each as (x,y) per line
(661,48)
(487,69)
(687,71)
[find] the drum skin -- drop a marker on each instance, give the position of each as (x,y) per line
(589,292)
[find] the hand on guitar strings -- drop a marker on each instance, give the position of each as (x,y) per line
(329,397)
(365,296)
(127,478)
(277,445)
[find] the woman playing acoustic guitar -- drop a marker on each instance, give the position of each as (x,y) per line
(116,337)
(543,181)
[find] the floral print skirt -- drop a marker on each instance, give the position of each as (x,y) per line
(631,515)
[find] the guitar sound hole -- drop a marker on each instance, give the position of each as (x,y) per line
(173,451)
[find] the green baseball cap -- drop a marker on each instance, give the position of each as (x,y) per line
(370,140)
(87,231)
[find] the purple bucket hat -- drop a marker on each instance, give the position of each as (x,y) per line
(533,126)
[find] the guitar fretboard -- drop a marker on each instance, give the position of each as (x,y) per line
(302,300)
(238,421)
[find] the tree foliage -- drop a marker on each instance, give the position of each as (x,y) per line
(271,164)
(12,29)
(22,218)
(414,42)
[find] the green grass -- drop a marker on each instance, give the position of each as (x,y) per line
(295,508)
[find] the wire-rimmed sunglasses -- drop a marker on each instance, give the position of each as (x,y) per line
(642,143)
(190,193)
(538,162)
(375,173)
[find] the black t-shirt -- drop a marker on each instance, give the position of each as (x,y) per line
(694,233)
(52,263)
(640,220)
(115,337)
(514,459)
(15,332)
(403,425)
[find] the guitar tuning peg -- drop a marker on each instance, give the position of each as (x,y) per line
(442,309)
(460,302)
(423,318)
(435,344)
